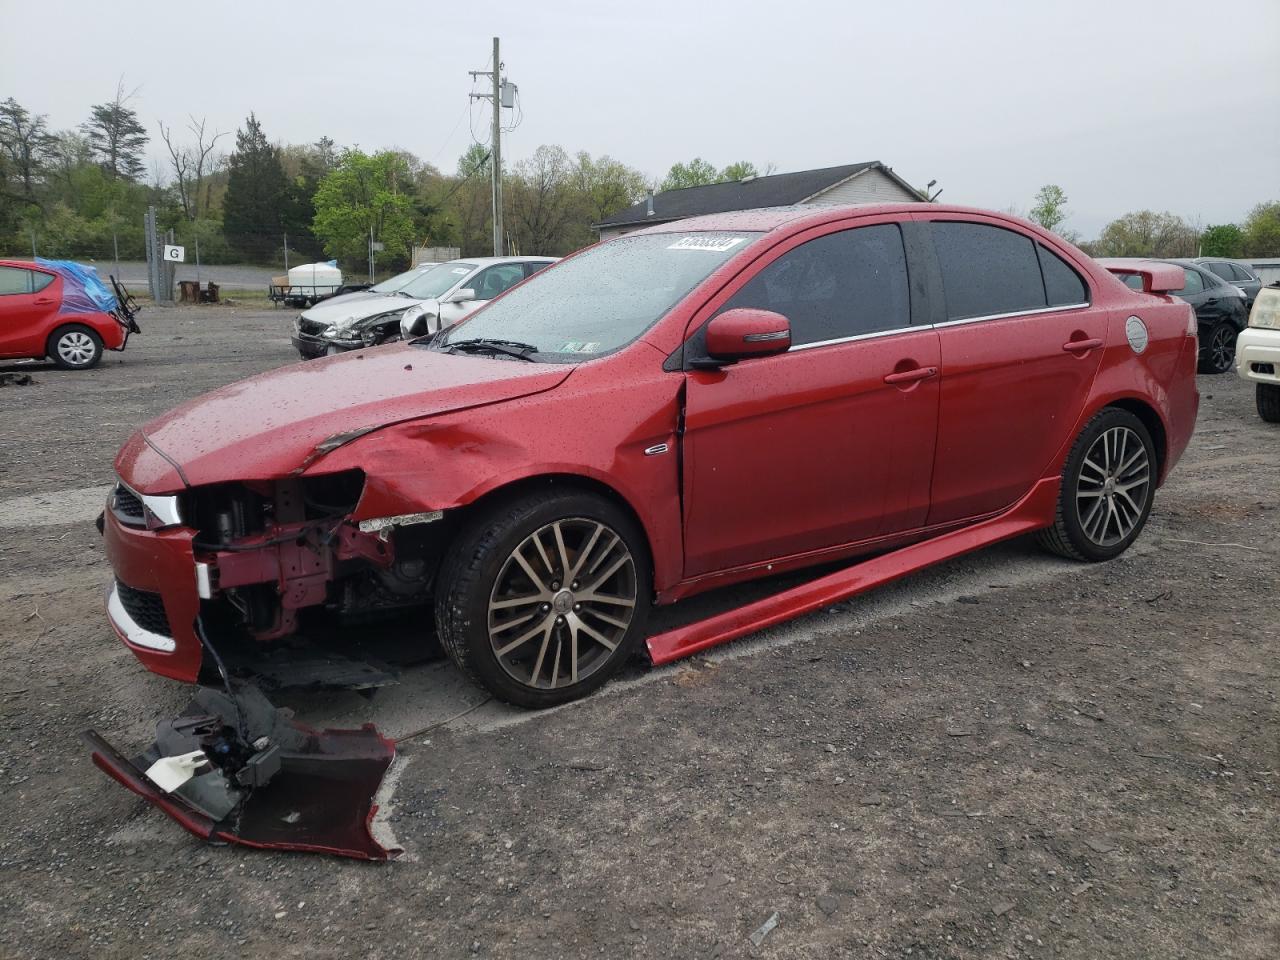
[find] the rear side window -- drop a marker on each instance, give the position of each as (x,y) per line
(987,270)
(16,280)
(842,285)
(1063,287)
(1221,269)
(1193,283)
(1241,273)
(532,267)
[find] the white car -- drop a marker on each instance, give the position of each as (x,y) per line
(1258,352)
(477,281)
(449,290)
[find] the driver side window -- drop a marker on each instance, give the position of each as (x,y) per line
(497,280)
(837,286)
(1192,283)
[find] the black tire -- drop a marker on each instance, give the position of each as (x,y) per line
(1268,397)
(1070,534)
(469,579)
(75,347)
(1218,348)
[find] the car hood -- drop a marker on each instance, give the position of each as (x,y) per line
(341,313)
(281,422)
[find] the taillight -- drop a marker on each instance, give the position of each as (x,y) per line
(1191,322)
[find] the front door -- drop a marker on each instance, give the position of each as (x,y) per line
(1020,348)
(830,443)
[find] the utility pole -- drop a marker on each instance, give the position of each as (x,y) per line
(499,94)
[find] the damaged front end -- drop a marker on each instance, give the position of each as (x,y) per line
(233,768)
(235,567)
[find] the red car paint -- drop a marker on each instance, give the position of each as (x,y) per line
(28,320)
(948,436)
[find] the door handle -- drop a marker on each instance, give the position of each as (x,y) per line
(910,376)
(44,301)
(1082,346)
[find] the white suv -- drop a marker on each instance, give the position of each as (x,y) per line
(1258,352)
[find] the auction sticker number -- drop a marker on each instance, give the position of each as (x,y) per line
(711,244)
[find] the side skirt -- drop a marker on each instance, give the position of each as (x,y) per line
(1033,512)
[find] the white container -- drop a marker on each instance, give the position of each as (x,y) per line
(314,280)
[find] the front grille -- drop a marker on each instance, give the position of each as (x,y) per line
(127,506)
(144,608)
(312,327)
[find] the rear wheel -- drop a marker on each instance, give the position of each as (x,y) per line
(543,599)
(75,347)
(1268,397)
(1108,486)
(1218,350)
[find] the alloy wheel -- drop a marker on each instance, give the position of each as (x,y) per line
(1113,486)
(76,348)
(1222,348)
(562,602)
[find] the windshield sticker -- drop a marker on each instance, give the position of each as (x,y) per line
(712,244)
(577,346)
(459,270)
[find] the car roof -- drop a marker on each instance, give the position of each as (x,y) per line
(27,264)
(487,261)
(765,219)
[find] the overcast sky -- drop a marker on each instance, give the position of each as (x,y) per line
(1126,105)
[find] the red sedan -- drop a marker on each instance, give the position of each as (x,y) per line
(688,406)
(59,310)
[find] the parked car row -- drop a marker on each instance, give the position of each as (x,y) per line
(1258,352)
(692,405)
(410,304)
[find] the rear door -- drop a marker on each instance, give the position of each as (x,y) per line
(830,443)
(28,305)
(1020,347)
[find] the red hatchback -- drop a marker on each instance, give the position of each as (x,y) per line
(59,310)
(688,406)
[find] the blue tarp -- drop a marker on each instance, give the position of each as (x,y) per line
(82,290)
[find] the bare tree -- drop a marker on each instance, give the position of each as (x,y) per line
(25,141)
(193,164)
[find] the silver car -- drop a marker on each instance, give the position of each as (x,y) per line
(446,293)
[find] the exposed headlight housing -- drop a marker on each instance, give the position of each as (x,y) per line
(1266,309)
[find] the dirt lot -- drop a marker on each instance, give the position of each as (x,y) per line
(1008,756)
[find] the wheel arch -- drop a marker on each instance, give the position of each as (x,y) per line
(1152,420)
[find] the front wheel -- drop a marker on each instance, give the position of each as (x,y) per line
(542,599)
(1108,486)
(1268,398)
(1218,350)
(75,347)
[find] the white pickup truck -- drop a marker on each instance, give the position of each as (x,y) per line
(1258,352)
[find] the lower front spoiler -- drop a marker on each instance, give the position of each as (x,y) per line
(269,783)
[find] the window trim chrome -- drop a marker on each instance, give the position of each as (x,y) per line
(1017,313)
(133,632)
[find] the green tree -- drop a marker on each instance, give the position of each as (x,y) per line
(740,170)
(257,195)
(1146,233)
(116,137)
(25,142)
(1262,231)
(366,192)
(605,186)
(1222,240)
(696,173)
(1050,208)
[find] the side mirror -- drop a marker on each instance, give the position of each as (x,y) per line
(746,332)
(465,295)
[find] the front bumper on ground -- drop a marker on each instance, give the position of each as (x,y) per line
(155,572)
(1257,347)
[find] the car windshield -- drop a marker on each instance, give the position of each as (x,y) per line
(601,299)
(400,280)
(436,281)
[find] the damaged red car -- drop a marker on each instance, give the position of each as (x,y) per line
(682,408)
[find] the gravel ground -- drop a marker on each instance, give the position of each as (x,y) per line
(1010,756)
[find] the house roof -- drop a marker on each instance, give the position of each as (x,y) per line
(776,190)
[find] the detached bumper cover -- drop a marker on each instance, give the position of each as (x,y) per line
(315,792)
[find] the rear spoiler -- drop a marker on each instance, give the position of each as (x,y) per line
(1156,277)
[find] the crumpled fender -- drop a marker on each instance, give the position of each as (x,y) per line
(452,460)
